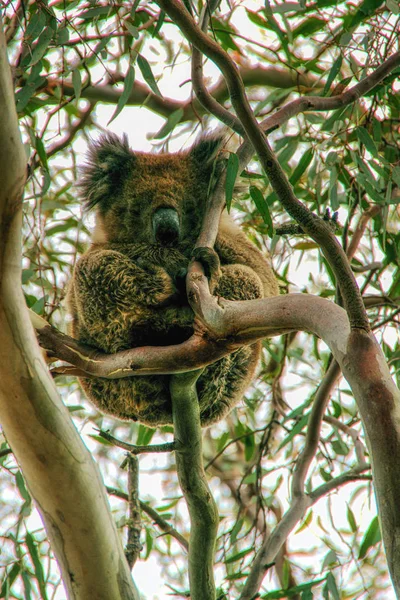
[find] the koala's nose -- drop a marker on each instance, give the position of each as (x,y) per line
(166,228)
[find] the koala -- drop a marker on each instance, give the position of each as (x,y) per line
(128,289)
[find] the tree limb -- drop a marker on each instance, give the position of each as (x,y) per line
(203,510)
(60,472)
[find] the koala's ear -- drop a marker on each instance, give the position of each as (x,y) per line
(110,161)
(205,150)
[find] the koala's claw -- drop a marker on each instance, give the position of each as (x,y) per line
(211,264)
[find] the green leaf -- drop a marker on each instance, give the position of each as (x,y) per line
(333,72)
(77,83)
(305,522)
(148,543)
(304,162)
(41,152)
(147,73)
(333,196)
(100,439)
(33,551)
(9,580)
(262,206)
(124,97)
(371,538)
(42,45)
(134,31)
(239,555)
(367,141)
(295,430)
(288,593)
(170,124)
(329,560)
(393,6)
(309,26)
(351,520)
(27,585)
(35,26)
(332,587)
(145,435)
(19,480)
(160,22)
(92,13)
(236,530)
(62,35)
(231,174)
(38,306)
(249,447)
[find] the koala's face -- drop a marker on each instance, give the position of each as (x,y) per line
(152,198)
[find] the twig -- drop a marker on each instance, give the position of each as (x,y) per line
(317,103)
(133,449)
(352,475)
(355,436)
(153,514)
(133,545)
(300,500)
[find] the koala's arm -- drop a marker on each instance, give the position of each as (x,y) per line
(113,280)
(233,247)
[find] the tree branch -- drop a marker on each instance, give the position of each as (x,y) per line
(154,516)
(60,472)
(311,224)
(316,103)
(203,511)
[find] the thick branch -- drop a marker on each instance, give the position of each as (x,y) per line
(203,510)
(141,95)
(60,472)
(225,327)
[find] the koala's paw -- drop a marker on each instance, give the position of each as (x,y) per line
(159,287)
(211,265)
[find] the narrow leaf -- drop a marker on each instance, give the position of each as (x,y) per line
(333,72)
(333,189)
(231,174)
(42,45)
(124,97)
(371,538)
(21,487)
(160,22)
(302,166)
(170,124)
(351,519)
(147,73)
(37,565)
(367,141)
(332,587)
(77,83)
(41,152)
(295,430)
(262,206)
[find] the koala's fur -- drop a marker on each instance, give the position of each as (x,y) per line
(125,289)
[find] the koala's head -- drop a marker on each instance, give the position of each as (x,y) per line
(152,198)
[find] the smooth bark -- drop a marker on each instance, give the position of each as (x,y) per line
(59,470)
